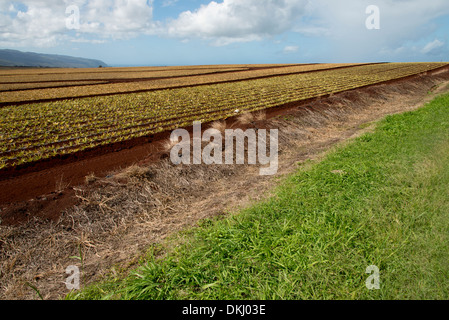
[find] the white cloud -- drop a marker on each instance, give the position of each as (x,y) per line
(340,24)
(407,26)
(121,19)
(432,46)
(291,49)
(169,3)
(237,21)
(82,40)
(43,23)
(403,24)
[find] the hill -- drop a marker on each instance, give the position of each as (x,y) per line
(15,58)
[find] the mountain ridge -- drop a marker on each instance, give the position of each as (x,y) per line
(16,58)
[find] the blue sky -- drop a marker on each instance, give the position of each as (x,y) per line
(193,32)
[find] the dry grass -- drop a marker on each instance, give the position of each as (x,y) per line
(219,125)
(91,178)
(168,145)
(246,118)
(133,171)
(250,118)
(260,115)
(61,184)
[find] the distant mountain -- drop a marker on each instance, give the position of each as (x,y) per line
(14,58)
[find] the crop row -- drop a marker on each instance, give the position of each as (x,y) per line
(148,84)
(96,76)
(67,71)
(5,87)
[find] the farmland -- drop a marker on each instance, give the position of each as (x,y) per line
(174,97)
(18,87)
(106,203)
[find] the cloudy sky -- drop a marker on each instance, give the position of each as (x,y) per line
(191,32)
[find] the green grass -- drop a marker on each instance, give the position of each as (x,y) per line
(381,200)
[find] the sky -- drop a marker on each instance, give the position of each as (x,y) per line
(200,32)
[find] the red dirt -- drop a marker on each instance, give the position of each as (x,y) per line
(46,207)
(44,189)
(18,191)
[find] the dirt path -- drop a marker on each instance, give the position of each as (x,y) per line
(118,216)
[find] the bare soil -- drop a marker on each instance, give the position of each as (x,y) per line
(113,217)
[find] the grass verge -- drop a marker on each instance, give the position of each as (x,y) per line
(380,200)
